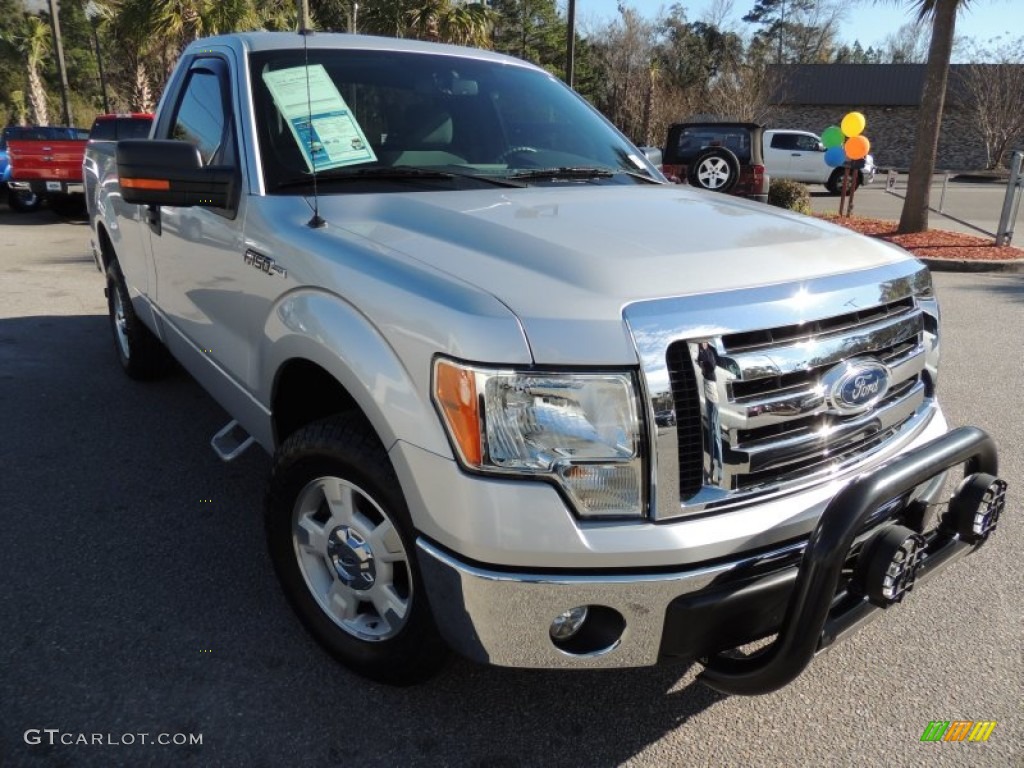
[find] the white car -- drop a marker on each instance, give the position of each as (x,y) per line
(800,156)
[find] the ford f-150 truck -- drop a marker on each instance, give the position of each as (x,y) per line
(525,398)
(47,164)
(106,131)
(800,156)
(22,200)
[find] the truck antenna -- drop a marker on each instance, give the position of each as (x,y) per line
(316,221)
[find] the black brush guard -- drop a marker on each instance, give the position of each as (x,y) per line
(814,617)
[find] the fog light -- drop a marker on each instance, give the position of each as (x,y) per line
(568,624)
(888,563)
(976,506)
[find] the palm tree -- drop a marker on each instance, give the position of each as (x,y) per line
(153,33)
(388,18)
(33,43)
(452,22)
(131,22)
(184,21)
(926,139)
(445,21)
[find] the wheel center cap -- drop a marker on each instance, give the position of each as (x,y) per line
(352,558)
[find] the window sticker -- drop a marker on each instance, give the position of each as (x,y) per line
(319,119)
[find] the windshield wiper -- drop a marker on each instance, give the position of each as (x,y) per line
(392,173)
(361,174)
(562,173)
(580,173)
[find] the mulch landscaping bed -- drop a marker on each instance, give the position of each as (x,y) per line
(934,244)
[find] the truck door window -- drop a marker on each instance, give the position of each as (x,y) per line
(806,143)
(783,141)
(201,121)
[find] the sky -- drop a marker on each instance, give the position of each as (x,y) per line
(865,20)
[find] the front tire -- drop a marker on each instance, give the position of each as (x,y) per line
(835,182)
(140,353)
(342,543)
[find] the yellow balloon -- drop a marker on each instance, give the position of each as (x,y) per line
(857,147)
(853,124)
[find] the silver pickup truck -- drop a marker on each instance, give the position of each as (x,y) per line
(526,399)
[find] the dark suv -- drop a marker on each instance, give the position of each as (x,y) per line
(721,157)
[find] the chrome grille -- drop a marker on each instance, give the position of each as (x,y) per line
(765,417)
(776,421)
(687,421)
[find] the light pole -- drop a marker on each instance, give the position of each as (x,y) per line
(59,45)
(305,25)
(93,14)
(570,44)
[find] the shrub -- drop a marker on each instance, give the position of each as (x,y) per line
(790,194)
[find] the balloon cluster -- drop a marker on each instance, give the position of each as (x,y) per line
(845,141)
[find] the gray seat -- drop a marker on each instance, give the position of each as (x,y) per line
(425,137)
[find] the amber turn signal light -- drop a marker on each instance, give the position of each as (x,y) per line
(455,391)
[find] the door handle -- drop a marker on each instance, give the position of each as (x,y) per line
(796,154)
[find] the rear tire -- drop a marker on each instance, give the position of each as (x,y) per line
(140,353)
(22,201)
(343,545)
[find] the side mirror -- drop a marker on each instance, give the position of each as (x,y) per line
(153,172)
(821,147)
(653,154)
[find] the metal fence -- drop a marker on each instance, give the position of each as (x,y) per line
(1011,201)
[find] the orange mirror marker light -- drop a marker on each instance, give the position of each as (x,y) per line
(455,389)
(163,184)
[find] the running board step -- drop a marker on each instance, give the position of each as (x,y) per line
(231,442)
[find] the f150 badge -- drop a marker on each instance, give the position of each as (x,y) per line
(263,263)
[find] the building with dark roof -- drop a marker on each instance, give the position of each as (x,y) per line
(814,96)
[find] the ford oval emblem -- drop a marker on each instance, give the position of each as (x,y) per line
(856,385)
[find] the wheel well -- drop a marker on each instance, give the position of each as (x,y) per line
(106,247)
(303,393)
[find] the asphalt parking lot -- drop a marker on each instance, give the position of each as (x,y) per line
(131,604)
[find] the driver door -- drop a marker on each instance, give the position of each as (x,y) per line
(197,251)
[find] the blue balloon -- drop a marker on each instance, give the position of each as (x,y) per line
(835,156)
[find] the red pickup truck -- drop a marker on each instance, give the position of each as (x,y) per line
(48,161)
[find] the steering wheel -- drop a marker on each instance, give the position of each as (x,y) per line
(504,156)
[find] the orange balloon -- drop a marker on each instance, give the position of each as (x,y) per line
(857,147)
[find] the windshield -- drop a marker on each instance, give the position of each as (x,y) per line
(40,133)
(350,112)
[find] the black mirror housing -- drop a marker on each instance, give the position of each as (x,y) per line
(159,172)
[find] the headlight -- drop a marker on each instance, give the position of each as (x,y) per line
(581,431)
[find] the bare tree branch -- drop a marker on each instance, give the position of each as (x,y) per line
(994,93)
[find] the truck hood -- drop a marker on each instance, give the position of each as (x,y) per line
(567,260)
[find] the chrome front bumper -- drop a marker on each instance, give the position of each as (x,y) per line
(504,617)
